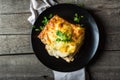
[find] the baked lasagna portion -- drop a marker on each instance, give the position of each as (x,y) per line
(61,38)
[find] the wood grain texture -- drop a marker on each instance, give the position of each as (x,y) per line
(106,14)
(106,59)
(15,39)
(15,44)
(107,20)
(18,23)
(105,66)
(112,42)
(105,75)
(15,24)
(26,78)
(14,6)
(22,67)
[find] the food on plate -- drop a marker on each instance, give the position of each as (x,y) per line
(62,38)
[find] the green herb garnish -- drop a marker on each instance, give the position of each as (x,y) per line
(81,5)
(58,39)
(63,36)
(45,21)
(33,26)
(77,18)
(50,16)
(81,25)
(81,16)
(37,29)
(41,27)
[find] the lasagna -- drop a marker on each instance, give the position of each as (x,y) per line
(62,38)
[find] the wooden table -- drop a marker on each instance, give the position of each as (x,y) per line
(17,61)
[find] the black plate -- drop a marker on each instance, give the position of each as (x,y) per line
(86,52)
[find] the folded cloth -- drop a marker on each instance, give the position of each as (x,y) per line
(36,7)
(75,75)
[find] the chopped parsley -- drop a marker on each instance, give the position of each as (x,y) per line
(44,22)
(63,36)
(37,29)
(77,18)
(50,16)
(81,5)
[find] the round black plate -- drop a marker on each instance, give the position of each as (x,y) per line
(86,52)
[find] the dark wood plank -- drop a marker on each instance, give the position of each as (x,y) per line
(3,45)
(102,4)
(15,24)
(26,78)
(107,16)
(18,24)
(108,59)
(107,20)
(105,75)
(105,66)
(68,1)
(111,42)
(22,67)
(105,12)
(14,6)
(13,44)
(15,39)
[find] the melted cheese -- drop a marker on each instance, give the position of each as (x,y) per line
(60,48)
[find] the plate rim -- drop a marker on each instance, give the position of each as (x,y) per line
(98,35)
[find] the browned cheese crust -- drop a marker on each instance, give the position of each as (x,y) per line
(63,49)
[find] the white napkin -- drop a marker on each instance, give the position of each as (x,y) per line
(75,75)
(36,7)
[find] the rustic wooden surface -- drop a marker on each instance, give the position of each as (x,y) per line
(17,61)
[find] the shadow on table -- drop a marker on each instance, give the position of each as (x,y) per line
(45,78)
(102,33)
